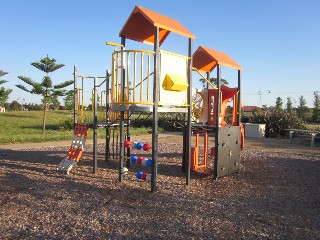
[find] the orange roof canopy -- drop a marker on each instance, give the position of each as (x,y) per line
(141,22)
(206,59)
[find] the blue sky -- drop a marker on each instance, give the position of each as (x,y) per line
(277,41)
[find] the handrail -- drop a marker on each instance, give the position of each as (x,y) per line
(195,69)
(104,80)
(130,51)
(114,44)
(149,75)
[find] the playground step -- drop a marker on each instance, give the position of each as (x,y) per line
(66,164)
(76,149)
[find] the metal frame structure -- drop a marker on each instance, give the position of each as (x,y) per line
(79,106)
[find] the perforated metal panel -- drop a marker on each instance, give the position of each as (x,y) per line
(78,142)
(76,149)
(66,164)
(228,155)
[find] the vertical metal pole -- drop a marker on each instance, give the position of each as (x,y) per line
(117,143)
(113,151)
(239,99)
(184,145)
(101,100)
(208,100)
(107,95)
(95,123)
(123,82)
(189,102)
(156,91)
(107,148)
(82,101)
(217,104)
(128,137)
(75,95)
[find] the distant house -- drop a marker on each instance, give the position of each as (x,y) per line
(2,109)
(25,107)
(248,110)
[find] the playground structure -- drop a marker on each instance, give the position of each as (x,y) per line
(210,103)
(144,81)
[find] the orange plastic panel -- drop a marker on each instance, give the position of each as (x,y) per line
(141,22)
(206,59)
(195,151)
(242,136)
(74,153)
(226,94)
(81,130)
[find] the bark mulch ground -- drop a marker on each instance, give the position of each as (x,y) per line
(276,195)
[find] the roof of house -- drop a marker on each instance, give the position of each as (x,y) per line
(249,108)
(141,22)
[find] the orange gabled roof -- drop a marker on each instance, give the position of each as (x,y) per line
(141,22)
(206,59)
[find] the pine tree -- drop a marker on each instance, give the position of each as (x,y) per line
(302,110)
(279,103)
(4,93)
(289,105)
(45,88)
(316,109)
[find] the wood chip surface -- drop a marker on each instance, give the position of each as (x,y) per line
(276,195)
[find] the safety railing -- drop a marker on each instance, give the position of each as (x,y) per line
(132,80)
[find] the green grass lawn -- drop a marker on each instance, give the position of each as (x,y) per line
(26,126)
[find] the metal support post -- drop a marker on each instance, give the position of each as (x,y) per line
(95,128)
(128,138)
(123,82)
(313,136)
(107,147)
(184,145)
(239,99)
(189,102)
(75,95)
(156,91)
(217,104)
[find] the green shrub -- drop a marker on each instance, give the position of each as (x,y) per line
(276,121)
(166,121)
(66,124)
(279,120)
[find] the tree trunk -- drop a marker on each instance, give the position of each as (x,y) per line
(44,117)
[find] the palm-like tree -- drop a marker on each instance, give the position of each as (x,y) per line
(45,88)
(4,93)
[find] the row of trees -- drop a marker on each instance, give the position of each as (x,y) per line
(52,104)
(302,111)
(278,118)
